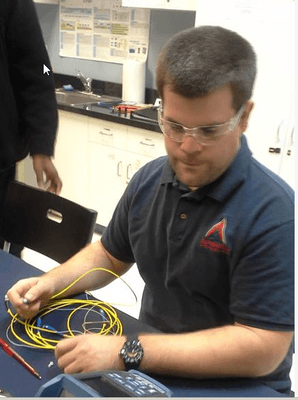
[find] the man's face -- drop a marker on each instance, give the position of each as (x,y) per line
(195,164)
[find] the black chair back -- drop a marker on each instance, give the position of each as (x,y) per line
(45,222)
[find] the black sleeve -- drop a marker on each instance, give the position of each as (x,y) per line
(33,90)
(262,285)
(115,238)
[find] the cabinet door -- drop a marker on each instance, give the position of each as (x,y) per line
(110,171)
(106,171)
(71,156)
(116,153)
(143,146)
(270,27)
(273,39)
(133,162)
(107,166)
(287,157)
(107,133)
(146,143)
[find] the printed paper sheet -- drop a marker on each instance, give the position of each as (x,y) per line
(103,30)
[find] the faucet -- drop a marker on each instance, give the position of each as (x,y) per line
(85,81)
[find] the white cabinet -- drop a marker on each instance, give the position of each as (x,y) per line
(96,159)
(270,28)
(116,153)
(187,5)
(108,170)
(286,160)
(149,144)
(271,123)
(71,156)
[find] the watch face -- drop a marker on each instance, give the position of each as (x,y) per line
(132,353)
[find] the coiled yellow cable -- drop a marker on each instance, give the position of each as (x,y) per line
(109,323)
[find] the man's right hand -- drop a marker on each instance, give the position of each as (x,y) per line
(36,291)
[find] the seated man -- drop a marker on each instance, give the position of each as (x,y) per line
(209,227)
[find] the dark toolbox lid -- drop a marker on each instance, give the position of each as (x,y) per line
(145,114)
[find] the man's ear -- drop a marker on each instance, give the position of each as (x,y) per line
(245,116)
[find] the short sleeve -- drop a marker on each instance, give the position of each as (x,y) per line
(115,238)
(262,283)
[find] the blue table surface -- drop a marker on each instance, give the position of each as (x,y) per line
(15,379)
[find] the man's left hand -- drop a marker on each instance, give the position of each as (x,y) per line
(90,352)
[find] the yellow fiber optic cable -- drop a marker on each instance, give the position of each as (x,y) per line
(34,333)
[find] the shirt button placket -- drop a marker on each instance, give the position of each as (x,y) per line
(181,225)
(178,227)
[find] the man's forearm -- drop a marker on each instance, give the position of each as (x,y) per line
(235,350)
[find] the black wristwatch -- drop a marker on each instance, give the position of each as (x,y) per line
(132,352)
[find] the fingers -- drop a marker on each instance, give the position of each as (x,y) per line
(43,166)
(18,291)
(53,183)
(54,186)
(39,179)
(27,295)
(66,345)
(67,354)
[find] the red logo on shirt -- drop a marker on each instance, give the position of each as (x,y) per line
(215,238)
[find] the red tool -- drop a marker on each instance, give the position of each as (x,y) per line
(8,350)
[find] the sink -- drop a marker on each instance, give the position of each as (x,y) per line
(80,98)
(74,97)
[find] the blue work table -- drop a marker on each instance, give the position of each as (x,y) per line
(15,379)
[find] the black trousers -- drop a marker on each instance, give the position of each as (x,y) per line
(5,177)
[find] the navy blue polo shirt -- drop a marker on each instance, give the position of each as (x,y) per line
(221,254)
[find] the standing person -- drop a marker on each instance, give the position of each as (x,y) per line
(210,229)
(28,106)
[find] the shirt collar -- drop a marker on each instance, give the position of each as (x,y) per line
(234,175)
(224,185)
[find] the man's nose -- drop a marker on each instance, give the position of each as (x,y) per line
(189,144)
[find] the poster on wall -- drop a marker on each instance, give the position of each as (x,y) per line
(103,30)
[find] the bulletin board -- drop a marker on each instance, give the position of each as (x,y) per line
(103,30)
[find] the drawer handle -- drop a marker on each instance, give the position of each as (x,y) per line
(105,133)
(128,173)
(278,131)
(119,168)
(147,142)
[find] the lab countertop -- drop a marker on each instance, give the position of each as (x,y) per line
(108,114)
